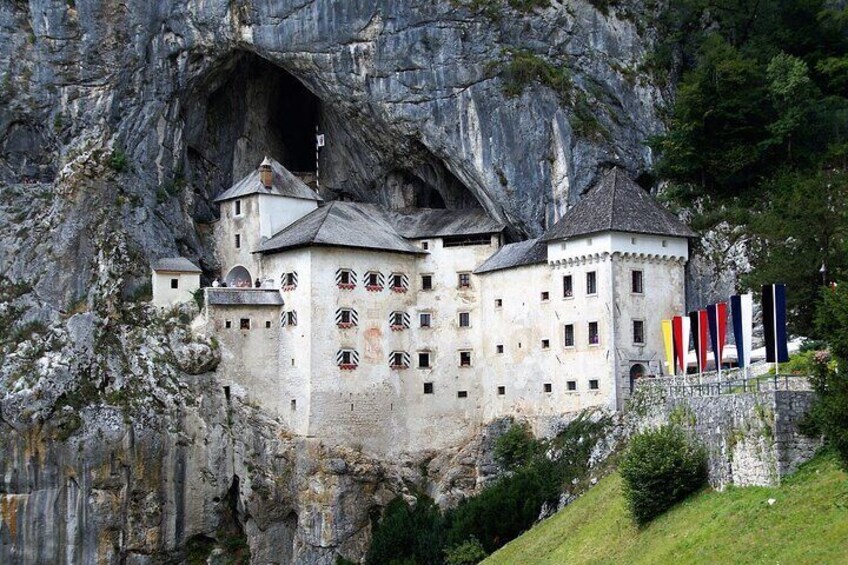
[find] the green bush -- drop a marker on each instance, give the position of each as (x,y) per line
(661,468)
(408,535)
(118,161)
(516,447)
(468,552)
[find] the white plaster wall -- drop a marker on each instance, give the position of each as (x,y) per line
(246,224)
(164,295)
(612,242)
(278,212)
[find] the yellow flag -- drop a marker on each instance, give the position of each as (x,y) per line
(668,340)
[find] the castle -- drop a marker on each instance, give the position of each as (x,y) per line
(408,330)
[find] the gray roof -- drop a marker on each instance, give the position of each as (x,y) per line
(530,252)
(243,296)
(341,224)
(417,224)
(617,203)
(283,183)
(175,265)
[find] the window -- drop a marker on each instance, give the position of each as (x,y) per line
(426,282)
(594,338)
(464,358)
(425,245)
(636,285)
(498,303)
(462,394)
(288,281)
(399,360)
(238,241)
(238,207)
(428,388)
(398,321)
(463,240)
(293,405)
(374,281)
(244,324)
(267,324)
(499,349)
(464,320)
(546,296)
(569,335)
(567,287)
(501,390)
(593,384)
(664,243)
(398,282)
(288,318)
(347,359)
(546,344)
(592,283)
(423,359)
(175,283)
(228,324)
(345,279)
(425,320)
(571,386)
(632,241)
(638,332)
(464,280)
(346,318)
(549,387)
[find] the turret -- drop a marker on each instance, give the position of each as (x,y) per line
(266,174)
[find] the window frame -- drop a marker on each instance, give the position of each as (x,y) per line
(237,211)
(429,316)
(429,364)
(634,278)
(594,384)
(565,336)
(238,241)
(569,291)
(597,333)
(591,283)
(571,385)
(641,331)
(427,277)
(466,355)
(467,317)
(175,284)
(463,276)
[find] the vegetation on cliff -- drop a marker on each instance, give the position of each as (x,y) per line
(806,523)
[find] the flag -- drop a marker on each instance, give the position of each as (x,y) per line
(774,323)
(680,326)
(668,341)
(717,314)
(742,309)
(698,322)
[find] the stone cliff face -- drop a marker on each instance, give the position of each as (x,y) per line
(120,121)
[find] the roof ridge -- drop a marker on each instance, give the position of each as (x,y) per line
(324,221)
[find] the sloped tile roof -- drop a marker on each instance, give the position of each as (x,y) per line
(530,252)
(283,183)
(417,224)
(175,265)
(341,224)
(617,203)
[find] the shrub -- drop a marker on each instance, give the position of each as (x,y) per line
(517,447)
(525,68)
(468,552)
(661,468)
(118,161)
(408,535)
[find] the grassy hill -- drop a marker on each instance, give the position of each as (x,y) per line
(808,523)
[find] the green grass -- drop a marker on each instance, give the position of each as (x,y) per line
(807,524)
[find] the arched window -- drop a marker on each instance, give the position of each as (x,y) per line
(239,277)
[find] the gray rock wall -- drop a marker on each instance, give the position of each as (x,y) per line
(752,438)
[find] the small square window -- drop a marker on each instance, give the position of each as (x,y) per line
(373,279)
(238,241)
(293,405)
(498,303)
(594,336)
(424,360)
(175,283)
(464,358)
(637,283)
(267,324)
(426,282)
(499,348)
(238,207)
(462,394)
(632,241)
(549,387)
(228,324)
(244,323)
(464,280)
(501,390)
(464,320)
(546,296)
(593,384)
(345,278)
(425,245)
(546,344)
(569,335)
(397,320)
(425,320)
(428,388)
(571,385)
(567,287)
(664,243)
(638,332)
(344,317)
(591,283)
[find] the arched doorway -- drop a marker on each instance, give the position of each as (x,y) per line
(637,371)
(239,277)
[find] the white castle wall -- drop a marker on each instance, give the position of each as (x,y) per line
(164,295)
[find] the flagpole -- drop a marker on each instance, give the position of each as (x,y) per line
(774,316)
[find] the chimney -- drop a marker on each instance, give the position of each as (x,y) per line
(266,174)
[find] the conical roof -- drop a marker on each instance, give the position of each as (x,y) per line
(617,203)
